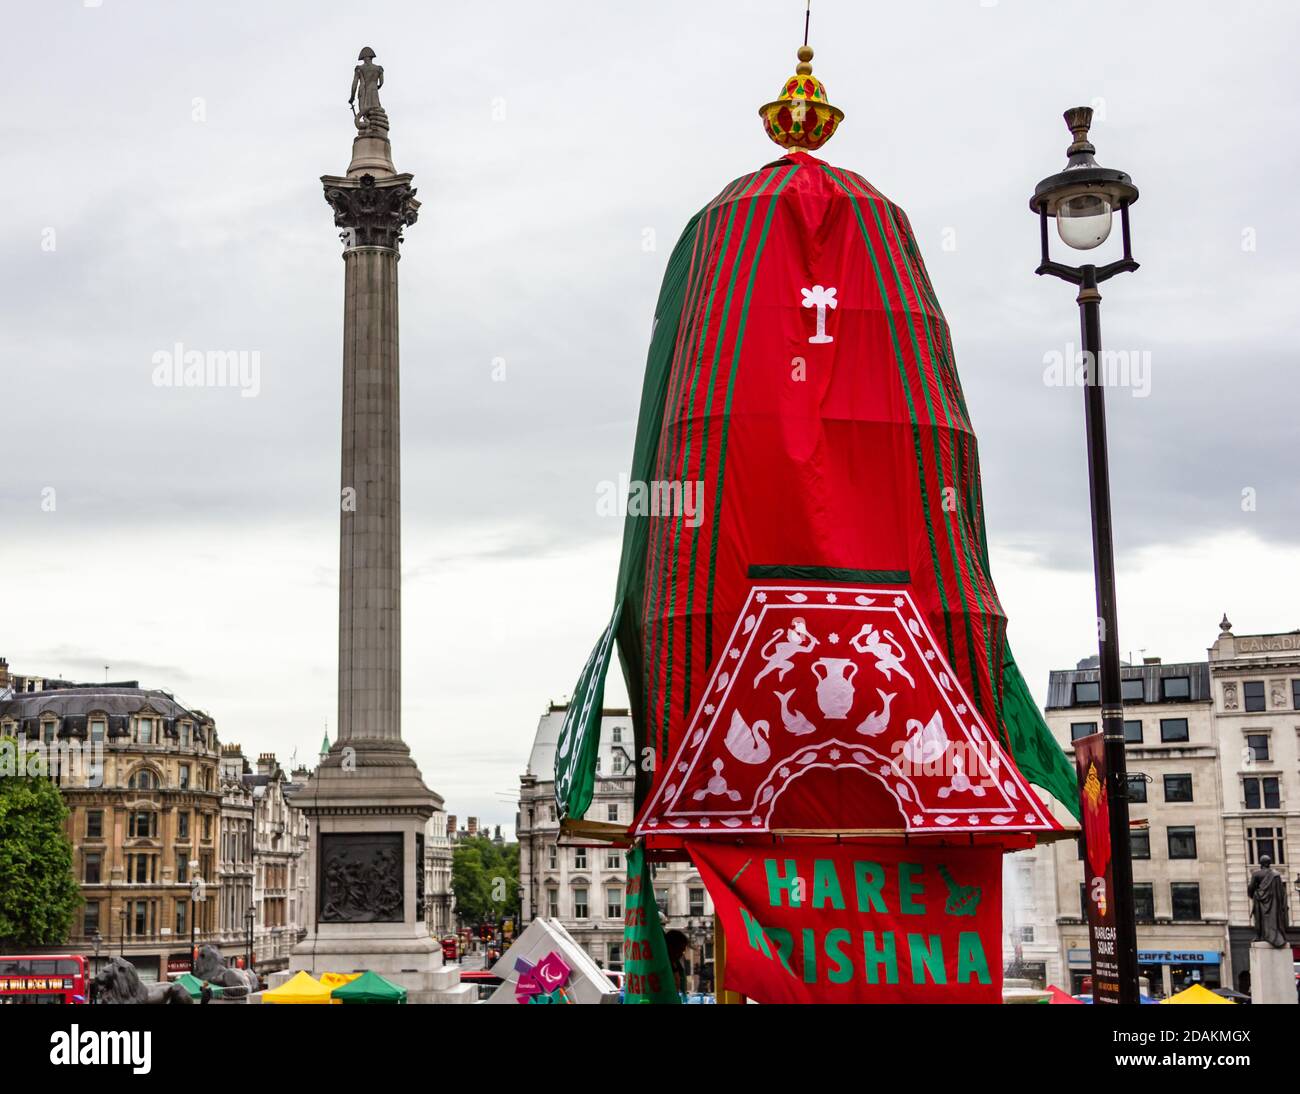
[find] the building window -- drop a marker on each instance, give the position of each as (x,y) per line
(661,899)
(1182,842)
(1133,731)
(1266,841)
(1176,688)
(90,919)
(47,732)
(1295,694)
(1131,690)
(141,872)
(611,812)
(1087,692)
(613,859)
(143,779)
(616,735)
(1186,896)
(618,764)
(142,824)
(553,903)
(1137,787)
(1173,729)
(207,826)
(552,857)
(141,917)
(580,903)
(614,902)
(1261,792)
(614,954)
(92,868)
(1082,729)
(695,896)
(185,735)
(1026,934)
(183,776)
(97,730)
(1257,747)
(94,824)
(1178,788)
(182,867)
(1144,902)
(1253,690)
(183,824)
(1139,841)
(181,925)
(144,731)
(579,858)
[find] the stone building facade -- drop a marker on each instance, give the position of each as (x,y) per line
(1178,856)
(140,775)
(235,853)
(582,885)
(439,902)
(1256,692)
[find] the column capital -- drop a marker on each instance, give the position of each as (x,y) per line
(372,212)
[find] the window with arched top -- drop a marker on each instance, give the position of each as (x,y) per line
(143,779)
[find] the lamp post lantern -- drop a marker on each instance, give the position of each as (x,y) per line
(1083,198)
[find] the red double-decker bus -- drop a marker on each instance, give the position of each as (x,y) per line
(43,978)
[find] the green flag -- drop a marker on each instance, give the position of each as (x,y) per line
(647,973)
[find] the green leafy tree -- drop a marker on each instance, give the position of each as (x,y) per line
(38,894)
(485,880)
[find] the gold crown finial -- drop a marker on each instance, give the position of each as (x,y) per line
(801,117)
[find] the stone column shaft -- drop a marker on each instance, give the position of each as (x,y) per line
(370,555)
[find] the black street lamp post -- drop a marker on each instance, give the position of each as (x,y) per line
(1083,198)
(249,916)
(121,942)
(98,941)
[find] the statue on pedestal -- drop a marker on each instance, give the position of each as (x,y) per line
(367,79)
(1267,892)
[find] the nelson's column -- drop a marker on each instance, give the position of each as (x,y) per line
(367,803)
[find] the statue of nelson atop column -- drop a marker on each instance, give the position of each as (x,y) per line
(1267,892)
(367,79)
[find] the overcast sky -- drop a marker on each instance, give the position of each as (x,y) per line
(161,169)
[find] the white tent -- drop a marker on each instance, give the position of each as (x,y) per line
(587,983)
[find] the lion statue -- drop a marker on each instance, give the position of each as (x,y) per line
(210,967)
(118,982)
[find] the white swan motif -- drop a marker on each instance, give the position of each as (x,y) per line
(925,743)
(748,743)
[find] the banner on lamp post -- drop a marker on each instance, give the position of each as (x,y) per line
(1098,874)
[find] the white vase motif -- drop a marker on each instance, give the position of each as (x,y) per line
(835,685)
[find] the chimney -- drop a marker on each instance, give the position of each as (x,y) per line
(472,825)
(1150,660)
(266,763)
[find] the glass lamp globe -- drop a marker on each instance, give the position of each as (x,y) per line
(1083,221)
